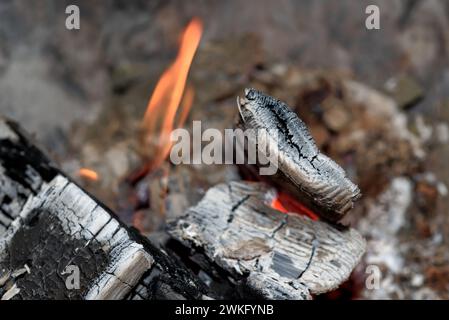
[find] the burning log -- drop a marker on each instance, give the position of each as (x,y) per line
(234,243)
(52,234)
(237,231)
(303,170)
(266,253)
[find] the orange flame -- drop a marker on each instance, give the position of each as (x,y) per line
(88,174)
(168,94)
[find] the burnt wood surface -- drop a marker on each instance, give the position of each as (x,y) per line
(48,223)
(231,245)
(303,170)
(265,253)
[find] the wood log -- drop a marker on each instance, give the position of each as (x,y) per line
(265,253)
(237,246)
(48,223)
(302,170)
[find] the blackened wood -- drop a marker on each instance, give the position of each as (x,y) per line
(236,245)
(49,223)
(265,253)
(303,170)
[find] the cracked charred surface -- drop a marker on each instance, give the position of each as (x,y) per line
(266,253)
(303,170)
(49,223)
(61,226)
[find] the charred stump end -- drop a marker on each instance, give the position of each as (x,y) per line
(306,173)
(269,253)
(51,229)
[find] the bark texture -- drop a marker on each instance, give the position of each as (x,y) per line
(267,253)
(50,227)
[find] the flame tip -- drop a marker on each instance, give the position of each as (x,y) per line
(171,92)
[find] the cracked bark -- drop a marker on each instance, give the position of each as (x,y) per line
(236,245)
(301,169)
(49,223)
(265,253)
(309,263)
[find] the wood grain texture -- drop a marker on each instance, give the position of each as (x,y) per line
(303,170)
(48,223)
(62,226)
(268,253)
(250,250)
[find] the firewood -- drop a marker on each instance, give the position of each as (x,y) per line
(303,170)
(246,249)
(49,227)
(266,253)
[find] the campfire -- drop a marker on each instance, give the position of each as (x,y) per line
(214,170)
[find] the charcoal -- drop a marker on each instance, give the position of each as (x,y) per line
(312,177)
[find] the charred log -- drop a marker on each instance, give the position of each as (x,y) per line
(233,233)
(303,170)
(231,245)
(50,229)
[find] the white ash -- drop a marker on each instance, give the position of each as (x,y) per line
(425,131)
(384,220)
(417,280)
(442,132)
(381,105)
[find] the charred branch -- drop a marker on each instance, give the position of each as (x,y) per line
(51,227)
(264,252)
(302,169)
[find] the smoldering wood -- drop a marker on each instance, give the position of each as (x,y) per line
(265,253)
(236,245)
(303,170)
(47,223)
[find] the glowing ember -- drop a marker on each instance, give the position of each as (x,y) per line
(88,174)
(285,203)
(276,204)
(159,119)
